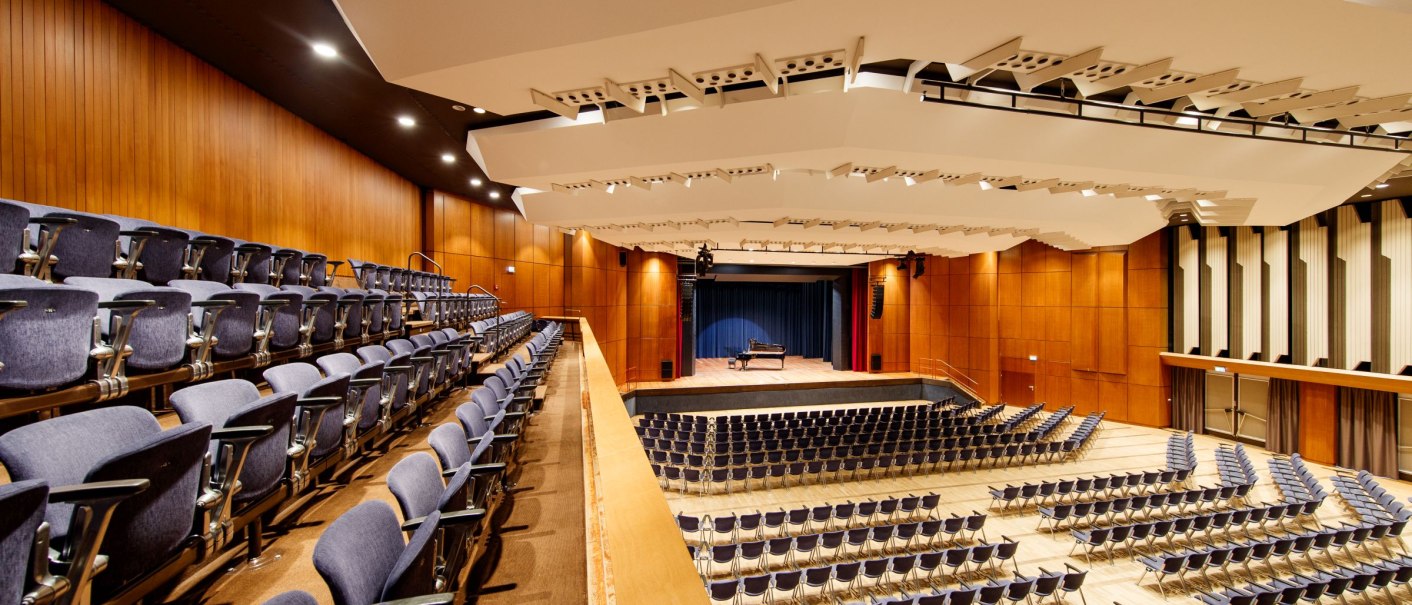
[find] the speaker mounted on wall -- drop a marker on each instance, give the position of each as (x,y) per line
(876,308)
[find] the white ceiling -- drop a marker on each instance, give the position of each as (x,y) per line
(760,161)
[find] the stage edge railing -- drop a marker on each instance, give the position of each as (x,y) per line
(641,555)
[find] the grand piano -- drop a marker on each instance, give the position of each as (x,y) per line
(760,350)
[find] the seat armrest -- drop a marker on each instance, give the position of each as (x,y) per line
(137,233)
(442,598)
(315,302)
(504,437)
(51,221)
(488,468)
(10,305)
(241,433)
(99,490)
(126,305)
(364,382)
(451,519)
(424,359)
(274,302)
(211,304)
(318,403)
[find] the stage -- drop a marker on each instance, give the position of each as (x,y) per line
(797,370)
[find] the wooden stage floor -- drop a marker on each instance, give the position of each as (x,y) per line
(1120,448)
(797,370)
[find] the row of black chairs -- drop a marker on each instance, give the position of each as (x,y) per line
(1340,583)
(1201,526)
(944,407)
(697,440)
(873,576)
(1148,505)
(805,519)
(1267,550)
(807,549)
(129,528)
(1047,584)
(1294,479)
(1116,484)
(1362,494)
(1233,465)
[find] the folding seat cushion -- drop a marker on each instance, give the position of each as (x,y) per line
(306,381)
(285,328)
(46,343)
(14,219)
(416,355)
(22,507)
(325,314)
(392,312)
(237,403)
(316,268)
(375,310)
(287,266)
(217,257)
(84,248)
(398,365)
(159,332)
(164,252)
(109,444)
(347,363)
(364,272)
(235,326)
(350,307)
(254,261)
(363,559)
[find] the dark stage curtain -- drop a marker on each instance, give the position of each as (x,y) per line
(729,314)
(1188,399)
(1283,432)
(1367,430)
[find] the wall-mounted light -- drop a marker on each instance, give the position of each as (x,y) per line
(406,121)
(475,182)
(1221,369)
(1034,358)
(510,269)
(325,50)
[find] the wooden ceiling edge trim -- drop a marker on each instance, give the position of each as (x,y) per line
(1329,376)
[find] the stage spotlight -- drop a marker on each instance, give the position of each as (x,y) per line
(919,267)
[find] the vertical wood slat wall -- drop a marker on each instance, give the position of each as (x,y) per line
(477,244)
(1095,321)
(1333,287)
(100,114)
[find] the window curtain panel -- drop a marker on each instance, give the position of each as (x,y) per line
(1283,431)
(796,315)
(1188,399)
(1367,430)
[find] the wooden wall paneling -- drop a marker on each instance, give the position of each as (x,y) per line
(1318,422)
(99,114)
(1112,340)
(1084,345)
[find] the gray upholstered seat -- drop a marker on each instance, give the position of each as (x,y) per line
(159,332)
(45,344)
(398,367)
(21,512)
(370,408)
(254,261)
(286,324)
(237,403)
(324,315)
(364,560)
(235,325)
(306,381)
(164,253)
(14,219)
(84,248)
(148,532)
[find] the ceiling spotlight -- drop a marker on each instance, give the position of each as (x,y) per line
(448,158)
(1187,121)
(326,51)
(1380,186)
(919,266)
(1152,197)
(478,109)
(1089,192)
(986,186)
(1366,195)
(406,121)
(475,182)
(495,195)
(458,107)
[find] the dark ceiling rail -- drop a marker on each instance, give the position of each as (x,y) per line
(1145,117)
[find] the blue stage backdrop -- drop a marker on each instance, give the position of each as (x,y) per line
(729,314)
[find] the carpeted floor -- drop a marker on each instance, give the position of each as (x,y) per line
(545,561)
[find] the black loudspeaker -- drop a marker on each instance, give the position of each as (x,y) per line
(622,258)
(688,298)
(875,311)
(666,372)
(875,363)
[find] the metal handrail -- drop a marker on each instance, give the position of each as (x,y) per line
(487,292)
(1398,143)
(950,370)
(439,269)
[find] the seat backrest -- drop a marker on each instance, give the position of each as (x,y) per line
(21,512)
(472,418)
(85,248)
(449,443)
(416,483)
(357,553)
(158,332)
(163,254)
(45,344)
(414,573)
(14,219)
(234,403)
(235,326)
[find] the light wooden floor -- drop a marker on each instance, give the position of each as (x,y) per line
(715,373)
(1120,448)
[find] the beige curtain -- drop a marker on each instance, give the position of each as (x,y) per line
(1367,430)
(1283,432)
(1188,399)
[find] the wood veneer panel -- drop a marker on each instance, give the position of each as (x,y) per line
(1084,344)
(1318,422)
